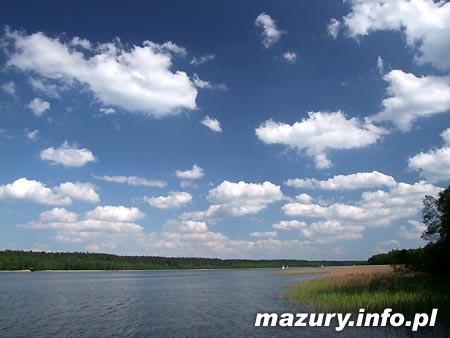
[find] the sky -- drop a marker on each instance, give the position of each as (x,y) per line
(256,129)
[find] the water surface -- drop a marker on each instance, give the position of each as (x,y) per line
(192,303)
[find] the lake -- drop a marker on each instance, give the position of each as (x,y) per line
(181,303)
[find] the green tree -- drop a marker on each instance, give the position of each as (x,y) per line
(436,216)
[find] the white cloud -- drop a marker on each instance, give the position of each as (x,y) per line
(202,59)
(290,57)
(9,88)
(209,214)
(68,155)
(413,231)
(58,215)
(322,232)
(390,243)
(425,23)
(333,28)
(115,214)
(331,231)
(380,65)
(244,198)
(304,198)
(290,225)
(133,180)
(152,88)
(345,182)
(34,191)
(412,97)
(319,132)
(32,135)
(434,165)
(266,234)
(374,209)
(446,136)
(107,111)
(77,41)
(185,226)
(69,230)
(79,191)
(175,200)
(212,124)
(199,83)
(50,89)
(38,106)
(270,33)
(236,199)
(195,173)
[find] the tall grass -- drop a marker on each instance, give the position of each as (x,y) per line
(403,291)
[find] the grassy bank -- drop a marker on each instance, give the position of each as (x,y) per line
(375,288)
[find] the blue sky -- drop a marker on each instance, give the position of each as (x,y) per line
(308,130)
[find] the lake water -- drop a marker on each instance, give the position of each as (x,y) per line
(208,303)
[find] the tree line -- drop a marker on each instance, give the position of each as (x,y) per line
(434,257)
(38,261)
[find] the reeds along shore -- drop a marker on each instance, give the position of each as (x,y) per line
(373,288)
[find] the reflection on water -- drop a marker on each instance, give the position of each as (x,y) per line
(208,303)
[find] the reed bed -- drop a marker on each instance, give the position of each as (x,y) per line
(374,289)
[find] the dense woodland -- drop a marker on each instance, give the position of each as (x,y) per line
(36,261)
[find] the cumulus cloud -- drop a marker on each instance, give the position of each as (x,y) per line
(97,223)
(58,215)
(333,28)
(270,31)
(77,41)
(175,200)
(345,182)
(38,106)
(425,23)
(68,155)
(195,173)
(412,97)
(35,191)
(244,198)
(185,226)
(290,57)
(31,190)
(434,165)
(266,234)
(212,124)
(236,199)
(152,89)
(78,191)
(374,209)
(133,180)
(115,213)
(322,232)
(320,132)
(290,225)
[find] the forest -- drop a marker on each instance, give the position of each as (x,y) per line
(38,261)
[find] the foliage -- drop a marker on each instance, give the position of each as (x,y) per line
(28,260)
(436,215)
(407,292)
